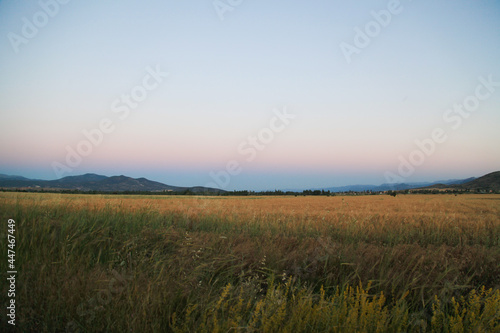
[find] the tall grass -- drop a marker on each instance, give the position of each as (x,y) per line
(125,263)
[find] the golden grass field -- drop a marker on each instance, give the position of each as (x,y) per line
(256,264)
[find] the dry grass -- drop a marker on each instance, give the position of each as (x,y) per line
(191,260)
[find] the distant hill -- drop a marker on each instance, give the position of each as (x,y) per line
(8,177)
(89,177)
(489,182)
(395,186)
(94,182)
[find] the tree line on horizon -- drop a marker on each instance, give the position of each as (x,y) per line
(258,193)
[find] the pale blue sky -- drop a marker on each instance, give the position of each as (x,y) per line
(226,77)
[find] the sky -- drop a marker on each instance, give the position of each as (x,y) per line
(250,94)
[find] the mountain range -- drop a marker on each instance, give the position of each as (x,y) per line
(396,186)
(488,182)
(94,182)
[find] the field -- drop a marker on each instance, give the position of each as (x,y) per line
(411,263)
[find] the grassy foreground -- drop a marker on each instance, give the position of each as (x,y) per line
(414,263)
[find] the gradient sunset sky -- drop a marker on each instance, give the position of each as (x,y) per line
(66,67)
